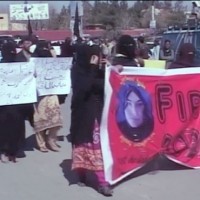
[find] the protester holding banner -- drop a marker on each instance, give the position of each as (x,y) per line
(185,57)
(12,124)
(169,102)
(86,107)
(126,52)
(47,113)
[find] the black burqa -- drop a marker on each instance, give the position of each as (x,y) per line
(87,99)
(12,123)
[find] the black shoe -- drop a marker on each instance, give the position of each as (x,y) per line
(105,190)
(81,184)
(21,154)
(12,159)
(82,180)
(4,158)
(69,138)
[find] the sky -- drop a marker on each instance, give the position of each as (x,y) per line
(4,5)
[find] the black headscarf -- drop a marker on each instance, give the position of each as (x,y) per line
(8,52)
(42,50)
(126,45)
(66,49)
(185,57)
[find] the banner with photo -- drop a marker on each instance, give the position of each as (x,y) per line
(149,112)
(17,83)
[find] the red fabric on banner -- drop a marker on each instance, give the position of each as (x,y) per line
(175,102)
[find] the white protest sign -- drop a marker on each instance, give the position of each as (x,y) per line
(36,11)
(17,83)
(53,75)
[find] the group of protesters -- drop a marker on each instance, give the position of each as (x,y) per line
(185,54)
(87,76)
(44,116)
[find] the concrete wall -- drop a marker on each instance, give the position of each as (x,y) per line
(4,22)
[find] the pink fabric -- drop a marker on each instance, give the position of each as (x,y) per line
(101,178)
(89,156)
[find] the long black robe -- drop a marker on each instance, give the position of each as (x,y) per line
(12,128)
(87,98)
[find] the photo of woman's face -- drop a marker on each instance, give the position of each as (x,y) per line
(134,110)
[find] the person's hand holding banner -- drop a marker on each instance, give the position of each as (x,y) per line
(117,68)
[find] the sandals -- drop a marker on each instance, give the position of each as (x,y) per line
(44,149)
(52,146)
(4,158)
(12,159)
(7,158)
(57,145)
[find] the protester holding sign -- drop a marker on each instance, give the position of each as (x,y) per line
(47,113)
(24,56)
(12,124)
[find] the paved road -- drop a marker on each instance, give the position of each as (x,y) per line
(47,176)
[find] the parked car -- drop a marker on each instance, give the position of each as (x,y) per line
(4,39)
(177,37)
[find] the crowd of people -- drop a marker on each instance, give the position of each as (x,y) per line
(87,75)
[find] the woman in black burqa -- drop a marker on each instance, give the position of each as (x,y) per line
(185,57)
(12,122)
(126,53)
(86,110)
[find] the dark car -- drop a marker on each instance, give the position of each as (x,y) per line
(177,37)
(4,39)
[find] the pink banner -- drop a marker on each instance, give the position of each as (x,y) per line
(149,112)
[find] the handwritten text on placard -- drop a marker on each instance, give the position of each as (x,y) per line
(17,83)
(53,75)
